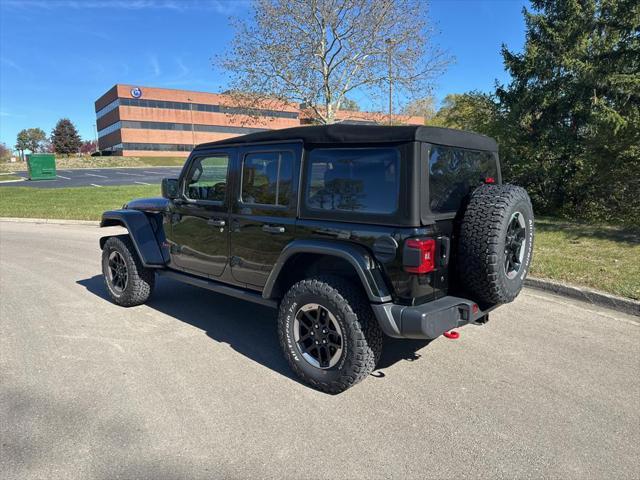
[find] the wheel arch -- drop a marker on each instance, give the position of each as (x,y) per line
(146,237)
(302,258)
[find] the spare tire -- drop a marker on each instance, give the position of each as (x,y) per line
(495,244)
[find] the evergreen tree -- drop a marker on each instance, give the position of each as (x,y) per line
(65,137)
(572,126)
(473,111)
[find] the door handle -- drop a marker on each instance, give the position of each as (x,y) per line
(216,223)
(273,229)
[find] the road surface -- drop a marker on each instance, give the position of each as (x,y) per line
(99,177)
(193,385)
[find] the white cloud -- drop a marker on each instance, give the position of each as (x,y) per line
(155,65)
(184,70)
(7,62)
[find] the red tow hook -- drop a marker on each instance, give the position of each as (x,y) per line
(452,334)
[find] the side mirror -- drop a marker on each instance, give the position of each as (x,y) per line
(170,188)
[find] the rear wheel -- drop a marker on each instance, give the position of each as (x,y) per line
(328,333)
(496,243)
(127,281)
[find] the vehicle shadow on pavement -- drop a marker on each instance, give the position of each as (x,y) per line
(248,328)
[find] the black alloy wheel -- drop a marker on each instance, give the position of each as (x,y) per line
(117,273)
(515,245)
(318,335)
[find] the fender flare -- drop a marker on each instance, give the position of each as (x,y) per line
(141,232)
(357,256)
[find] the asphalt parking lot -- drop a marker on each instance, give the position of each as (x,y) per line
(99,177)
(193,385)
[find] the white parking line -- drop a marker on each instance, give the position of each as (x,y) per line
(66,178)
(129,174)
(142,183)
(94,175)
(94,185)
(154,173)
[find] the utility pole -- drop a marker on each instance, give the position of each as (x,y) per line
(389,43)
(95,131)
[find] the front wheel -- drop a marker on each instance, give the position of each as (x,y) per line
(328,333)
(128,282)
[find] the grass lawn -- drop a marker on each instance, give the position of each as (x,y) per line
(162,161)
(65,163)
(81,203)
(601,257)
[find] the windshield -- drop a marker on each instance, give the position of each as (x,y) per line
(454,172)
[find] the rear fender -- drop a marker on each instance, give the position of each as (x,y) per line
(146,239)
(358,257)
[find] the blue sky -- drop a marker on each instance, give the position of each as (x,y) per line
(58,56)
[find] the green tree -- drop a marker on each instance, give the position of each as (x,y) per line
(65,137)
(421,107)
(22,142)
(572,109)
(474,111)
(5,153)
(351,105)
(32,139)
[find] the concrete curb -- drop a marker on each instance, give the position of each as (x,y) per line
(21,179)
(55,221)
(595,297)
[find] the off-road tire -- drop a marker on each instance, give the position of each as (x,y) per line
(362,335)
(482,240)
(140,279)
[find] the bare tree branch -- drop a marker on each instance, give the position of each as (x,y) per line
(315,52)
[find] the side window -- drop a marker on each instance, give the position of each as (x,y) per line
(266,178)
(207,179)
(364,180)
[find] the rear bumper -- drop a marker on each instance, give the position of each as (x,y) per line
(429,320)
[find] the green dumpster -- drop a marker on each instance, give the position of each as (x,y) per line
(42,166)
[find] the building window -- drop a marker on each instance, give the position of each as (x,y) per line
(266,178)
(162,147)
(106,109)
(185,127)
(364,180)
(110,129)
(200,107)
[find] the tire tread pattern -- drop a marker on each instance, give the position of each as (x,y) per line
(141,280)
(481,232)
(356,311)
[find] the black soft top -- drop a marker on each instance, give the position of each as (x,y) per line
(363,134)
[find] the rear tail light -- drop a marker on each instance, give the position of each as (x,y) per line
(419,255)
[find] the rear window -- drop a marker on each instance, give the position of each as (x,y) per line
(363,180)
(453,172)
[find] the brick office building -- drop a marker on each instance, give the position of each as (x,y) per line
(145,121)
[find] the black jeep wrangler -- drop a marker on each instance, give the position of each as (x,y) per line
(351,231)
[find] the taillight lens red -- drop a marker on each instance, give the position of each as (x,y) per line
(427,255)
